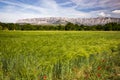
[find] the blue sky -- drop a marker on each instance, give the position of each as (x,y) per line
(12,10)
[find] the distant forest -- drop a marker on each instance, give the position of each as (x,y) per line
(68,27)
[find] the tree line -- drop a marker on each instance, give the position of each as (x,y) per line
(68,27)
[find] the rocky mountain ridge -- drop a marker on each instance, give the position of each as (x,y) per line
(64,20)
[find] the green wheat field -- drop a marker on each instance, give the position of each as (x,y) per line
(59,55)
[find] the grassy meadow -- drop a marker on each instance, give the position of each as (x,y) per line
(59,55)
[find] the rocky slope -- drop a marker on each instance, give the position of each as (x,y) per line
(63,20)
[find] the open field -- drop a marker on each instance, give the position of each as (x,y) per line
(59,55)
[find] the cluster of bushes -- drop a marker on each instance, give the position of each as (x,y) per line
(68,26)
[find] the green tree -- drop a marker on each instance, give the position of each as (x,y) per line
(0,27)
(70,26)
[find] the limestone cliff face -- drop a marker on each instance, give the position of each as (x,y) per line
(63,20)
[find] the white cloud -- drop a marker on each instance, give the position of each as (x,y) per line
(102,14)
(23,5)
(44,8)
(48,9)
(116,11)
(100,4)
(13,17)
(66,3)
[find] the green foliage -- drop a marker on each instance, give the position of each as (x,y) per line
(0,27)
(68,27)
